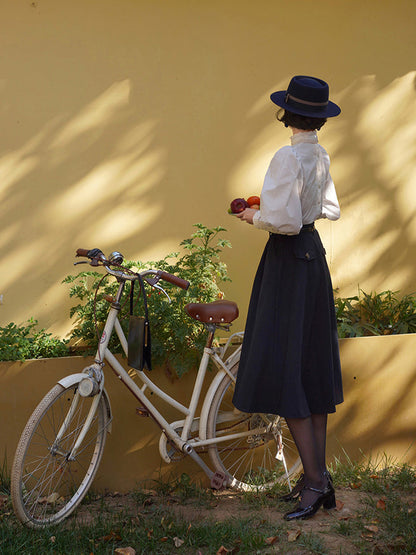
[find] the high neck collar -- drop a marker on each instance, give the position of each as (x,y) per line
(305,137)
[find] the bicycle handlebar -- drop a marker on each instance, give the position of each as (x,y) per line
(96,256)
(175,280)
(82,252)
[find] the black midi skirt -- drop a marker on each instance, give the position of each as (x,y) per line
(290,363)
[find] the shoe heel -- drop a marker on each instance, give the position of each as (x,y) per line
(330,502)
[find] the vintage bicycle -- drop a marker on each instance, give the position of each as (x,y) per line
(63,442)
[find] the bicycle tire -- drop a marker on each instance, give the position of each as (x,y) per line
(249,463)
(46,487)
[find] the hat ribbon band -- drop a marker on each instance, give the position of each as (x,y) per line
(307,102)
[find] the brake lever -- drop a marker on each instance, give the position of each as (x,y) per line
(153,283)
(81,262)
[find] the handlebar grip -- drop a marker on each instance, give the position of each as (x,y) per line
(82,252)
(175,280)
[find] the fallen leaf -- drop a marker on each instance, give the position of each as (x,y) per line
(292,535)
(178,542)
(223,550)
(164,539)
(356,485)
(272,540)
(125,551)
(52,498)
(339,505)
(52,539)
(375,476)
(111,537)
(381,504)
(372,528)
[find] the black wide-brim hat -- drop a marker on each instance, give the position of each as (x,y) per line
(307,96)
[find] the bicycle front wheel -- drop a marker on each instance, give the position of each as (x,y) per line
(48,479)
(254,451)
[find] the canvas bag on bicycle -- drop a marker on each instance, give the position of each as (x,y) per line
(139,344)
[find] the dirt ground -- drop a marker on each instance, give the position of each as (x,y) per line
(226,505)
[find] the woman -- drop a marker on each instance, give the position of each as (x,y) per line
(290,360)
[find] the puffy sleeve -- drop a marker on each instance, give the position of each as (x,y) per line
(330,204)
(280,206)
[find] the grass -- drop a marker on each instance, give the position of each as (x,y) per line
(149,520)
(388,516)
(4,477)
(161,532)
(377,476)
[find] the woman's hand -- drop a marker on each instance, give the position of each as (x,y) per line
(247,215)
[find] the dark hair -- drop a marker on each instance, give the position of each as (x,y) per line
(306,123)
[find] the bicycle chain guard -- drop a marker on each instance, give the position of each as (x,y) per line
(167,449)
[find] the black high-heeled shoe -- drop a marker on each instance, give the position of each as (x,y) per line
(298,487)
(328,476)
(325,499)
(296,490)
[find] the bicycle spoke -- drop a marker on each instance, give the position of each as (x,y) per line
(50,485)
(249,461)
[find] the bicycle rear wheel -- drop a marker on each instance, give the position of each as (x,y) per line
(46,486)
(249,462)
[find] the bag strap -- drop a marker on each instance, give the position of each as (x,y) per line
(142,289)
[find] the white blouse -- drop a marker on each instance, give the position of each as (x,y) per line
(298,188)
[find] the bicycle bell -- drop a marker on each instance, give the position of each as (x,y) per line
(116,257)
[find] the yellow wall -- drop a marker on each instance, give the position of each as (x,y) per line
(125,122)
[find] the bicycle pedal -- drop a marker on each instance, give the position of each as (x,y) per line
(218,480)
(141,411)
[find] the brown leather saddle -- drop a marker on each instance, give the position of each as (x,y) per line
(217,312)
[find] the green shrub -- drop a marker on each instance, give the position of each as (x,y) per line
(375,314)
(177,340)
(25,342)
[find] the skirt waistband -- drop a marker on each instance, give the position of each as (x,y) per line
(306,227)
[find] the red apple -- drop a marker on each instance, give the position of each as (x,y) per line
(253,200)
(238,205)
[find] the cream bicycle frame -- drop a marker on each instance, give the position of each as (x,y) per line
(48,464)
(182,441)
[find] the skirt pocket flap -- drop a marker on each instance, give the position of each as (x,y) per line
(308,247)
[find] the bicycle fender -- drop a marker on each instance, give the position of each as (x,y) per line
(208,402)
(230,362)
(71,380)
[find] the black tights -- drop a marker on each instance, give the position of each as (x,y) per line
(309,435)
